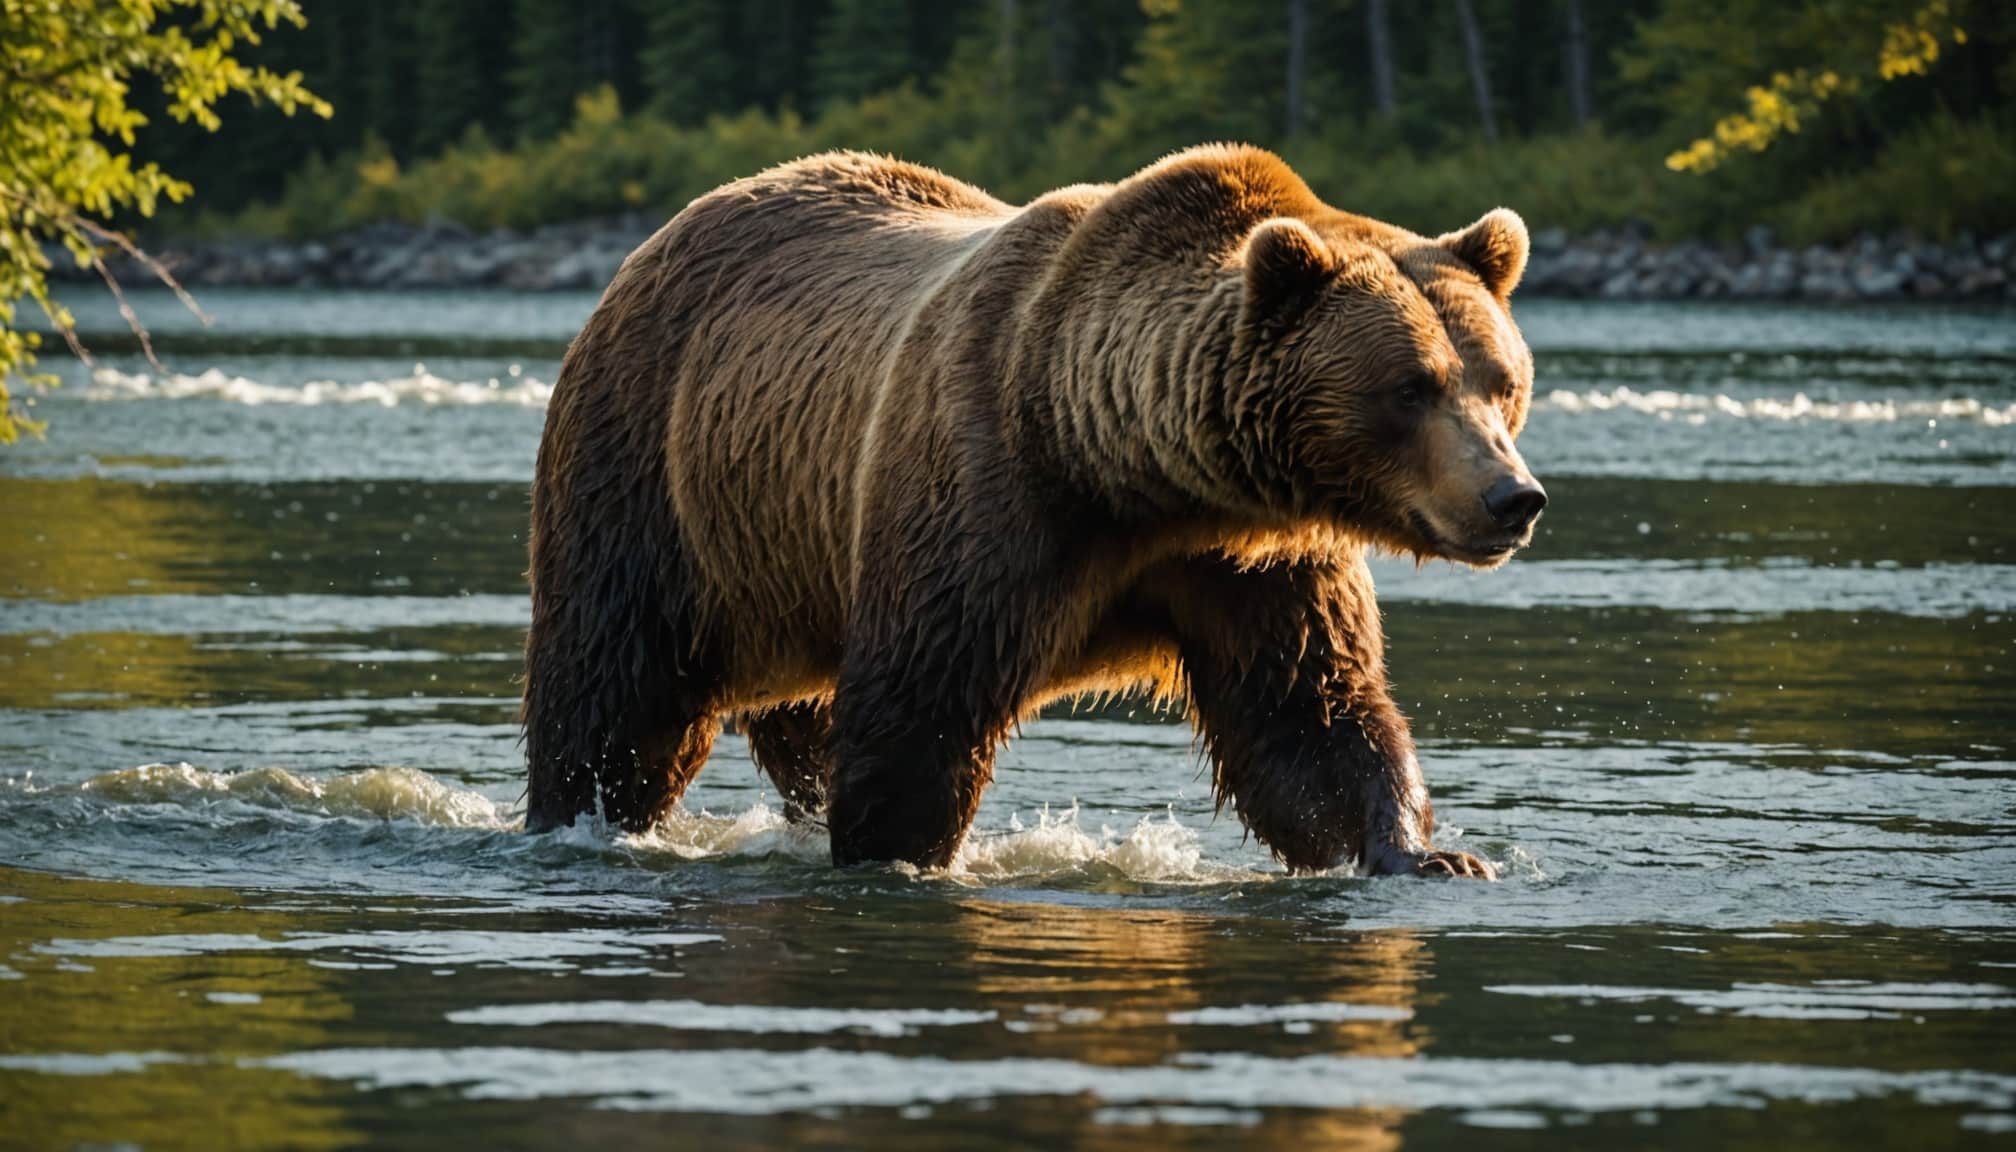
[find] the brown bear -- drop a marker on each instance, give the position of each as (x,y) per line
(880,465)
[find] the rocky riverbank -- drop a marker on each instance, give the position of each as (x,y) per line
(1619,264)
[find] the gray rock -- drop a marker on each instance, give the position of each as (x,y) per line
(1981,282)
(1821,284)
(1781,278)
(1876,282)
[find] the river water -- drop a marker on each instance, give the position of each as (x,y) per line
(1736,729)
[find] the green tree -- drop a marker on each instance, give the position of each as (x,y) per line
(689,60)
(546,73)
(864,47)
(460,55)
(1796,66)
(67,69)
(562,50)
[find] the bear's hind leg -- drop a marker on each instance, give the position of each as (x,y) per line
(632,780)
(620,683)
(789,743)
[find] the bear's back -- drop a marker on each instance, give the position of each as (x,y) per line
(795,290)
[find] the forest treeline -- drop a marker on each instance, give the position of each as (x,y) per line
(521,112)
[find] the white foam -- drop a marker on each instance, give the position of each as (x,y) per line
(374,793)
(1700,407)
(758,830)
(422,387)
(1153,850)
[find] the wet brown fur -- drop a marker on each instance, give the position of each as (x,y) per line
(883,465)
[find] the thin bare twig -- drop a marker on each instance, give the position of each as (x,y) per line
(67,331)
(160,271)
(126,312)
(98,232)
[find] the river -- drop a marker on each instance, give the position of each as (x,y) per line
(1736,729)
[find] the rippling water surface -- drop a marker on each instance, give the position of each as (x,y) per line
(1736,729)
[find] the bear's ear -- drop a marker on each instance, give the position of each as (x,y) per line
(1494,247)
(1286,262)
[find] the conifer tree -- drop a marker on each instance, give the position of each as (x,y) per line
(864,47)
(688,61)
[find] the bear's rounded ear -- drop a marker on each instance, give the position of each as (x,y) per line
(1494,247)
(1285,262)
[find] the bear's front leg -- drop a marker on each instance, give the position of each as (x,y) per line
(1287,685)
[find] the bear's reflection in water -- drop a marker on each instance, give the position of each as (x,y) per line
(1078,992)
(1107,987)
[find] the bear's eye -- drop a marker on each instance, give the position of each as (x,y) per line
(1414,391)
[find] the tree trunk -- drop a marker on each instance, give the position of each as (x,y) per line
(1059,29)
(1298,62)
(1005,49)
(1480,81)
(1379,35)
(1577,50)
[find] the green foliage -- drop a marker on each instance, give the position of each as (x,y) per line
(1790,61)
(1578,182)
(1953,174)
(67,71)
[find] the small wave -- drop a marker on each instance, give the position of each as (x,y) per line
(546,951)
(753,1019)
(1326,1012)
(1699,407)
(1771,588)
(373,793)
(766,1082)
(1828,1000)
(422,387)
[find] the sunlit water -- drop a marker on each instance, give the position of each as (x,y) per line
(1736,730)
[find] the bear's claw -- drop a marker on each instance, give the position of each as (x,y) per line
(1434,863)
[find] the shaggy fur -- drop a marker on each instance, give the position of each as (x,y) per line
(883,465)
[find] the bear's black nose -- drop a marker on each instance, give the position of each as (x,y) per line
(1513,504)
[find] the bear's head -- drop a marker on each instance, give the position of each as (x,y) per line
(1388,380)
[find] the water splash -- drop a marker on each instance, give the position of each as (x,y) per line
(1056,846)
(1158,851)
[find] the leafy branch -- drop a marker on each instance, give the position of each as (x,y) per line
(67,69)
(1908,47)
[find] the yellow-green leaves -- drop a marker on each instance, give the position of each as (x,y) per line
(66,73)
(1908,47)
